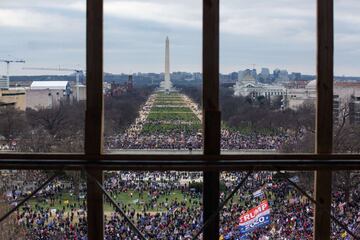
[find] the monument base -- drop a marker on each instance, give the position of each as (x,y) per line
(163,90)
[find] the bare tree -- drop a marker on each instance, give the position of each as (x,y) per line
(12,122)
(346,139)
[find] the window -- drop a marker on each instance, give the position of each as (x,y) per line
(56,211)
(152,80)
(345,194)
(273,51)
(161,204)
(281,217)
(346,86)
(94,160)
(42,64)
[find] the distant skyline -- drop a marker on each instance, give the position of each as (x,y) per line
(274,34)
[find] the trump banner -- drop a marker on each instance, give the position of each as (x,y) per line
(254,218)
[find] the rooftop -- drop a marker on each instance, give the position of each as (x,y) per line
(49,85)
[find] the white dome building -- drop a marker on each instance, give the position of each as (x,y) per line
(297,97)
(311,85)
(249,87)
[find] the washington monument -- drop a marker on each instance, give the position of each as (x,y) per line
(166,85)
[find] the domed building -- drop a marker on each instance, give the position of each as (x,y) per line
(311,85)
(297,97)
(248,86)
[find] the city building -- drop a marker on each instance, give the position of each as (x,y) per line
(248,86)
(241,75)
(4,82)
(354,110)
(295,76)
(282,77)
(346,99)
(264,76)
(297,97)
(265,72)
(253,73)
(47,94)
(81,90)
(15,97)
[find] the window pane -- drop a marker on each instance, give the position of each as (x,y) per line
(267,65)
(42,83)
(345,203)
(346,108)
(152,76)
(58,211)
(162,205)
(285,214)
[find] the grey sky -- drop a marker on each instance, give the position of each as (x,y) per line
(279,33)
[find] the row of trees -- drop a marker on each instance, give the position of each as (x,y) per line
(61,128)
(254,115)
(57,129)
(121,111)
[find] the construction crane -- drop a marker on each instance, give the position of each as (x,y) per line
(77,72)
(8,61)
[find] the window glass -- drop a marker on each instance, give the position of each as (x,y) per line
(267,76)
(344,203)
(267,206)
(346,104)
(162,205)
(152,79)
(42,76)
(58,211)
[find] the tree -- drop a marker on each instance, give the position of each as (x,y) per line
(52,119)
(12,123)
(121,111)
(346,135)
(345,140)
(62,128)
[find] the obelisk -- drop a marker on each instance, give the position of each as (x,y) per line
(167,85)
(167,61)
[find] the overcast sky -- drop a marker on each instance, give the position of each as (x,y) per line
(273,34)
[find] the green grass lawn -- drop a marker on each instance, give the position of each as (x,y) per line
(168,97)
(170,109)
(125,198)
(169,102)
(58,205)
(183,116)
(137,202)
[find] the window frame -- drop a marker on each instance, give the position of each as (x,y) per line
(323,161)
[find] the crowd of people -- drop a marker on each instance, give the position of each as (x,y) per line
(47,216)
(172,140)
(291,213)
(177,139)
(347,212)
(235,140)
(174,132)
(158,215)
